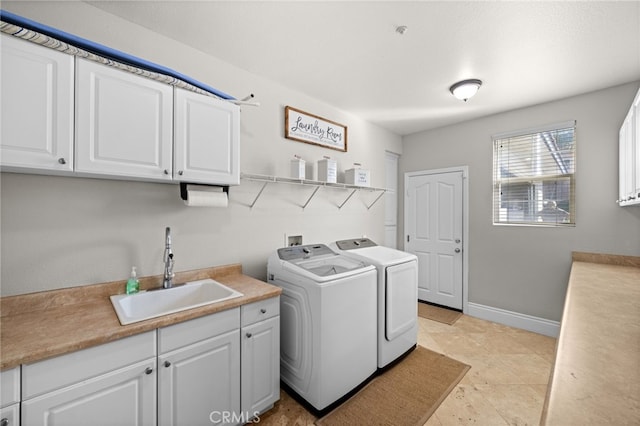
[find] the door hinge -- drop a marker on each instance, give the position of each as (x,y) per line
(407,238)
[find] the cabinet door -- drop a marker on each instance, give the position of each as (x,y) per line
(10,416)
(36,119)
(124,123)
(126,396)
(207,139)
(200,383)
(627,179)
(635,184)
(260,366)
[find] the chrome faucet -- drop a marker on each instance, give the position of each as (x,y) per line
(168,260)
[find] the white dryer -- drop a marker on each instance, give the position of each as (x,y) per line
(397,295)
(328,311)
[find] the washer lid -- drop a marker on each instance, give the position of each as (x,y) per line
(329,266)
(320,260)
(381,255)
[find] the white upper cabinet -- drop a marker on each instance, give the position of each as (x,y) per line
(207,139)
(36,118)
(629,156)
(124,123)
(636,146)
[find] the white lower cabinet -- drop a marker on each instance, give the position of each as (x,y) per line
(126,396)
(199,371)
(260,356)
(222,369)
(10,397)
(110,384)
(10,415)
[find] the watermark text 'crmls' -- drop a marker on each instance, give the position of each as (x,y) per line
(231,417)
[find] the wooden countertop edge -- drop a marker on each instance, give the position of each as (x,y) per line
(607,259)
(37,326)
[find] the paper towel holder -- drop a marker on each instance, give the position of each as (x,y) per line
(183,188)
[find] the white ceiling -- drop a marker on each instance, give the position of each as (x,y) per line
(349,54)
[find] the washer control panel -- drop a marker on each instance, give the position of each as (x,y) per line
(357,243)
(304,252)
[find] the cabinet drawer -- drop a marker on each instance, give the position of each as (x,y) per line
(260,310)
(55,373)
(185,333)
(10,387)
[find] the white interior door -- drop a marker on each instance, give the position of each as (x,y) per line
(434,231)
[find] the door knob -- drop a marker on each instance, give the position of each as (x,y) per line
(457,250)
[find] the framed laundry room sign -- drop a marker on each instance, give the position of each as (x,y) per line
(309,128)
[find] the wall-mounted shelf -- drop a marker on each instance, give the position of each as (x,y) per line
(265,179)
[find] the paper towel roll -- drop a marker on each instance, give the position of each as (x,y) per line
(206,196)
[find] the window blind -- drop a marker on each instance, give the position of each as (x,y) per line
(534,176)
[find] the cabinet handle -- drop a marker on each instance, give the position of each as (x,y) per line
(263,311)
(61,160)
(4,422)
(166,172)
(248,335)
(167,364)
(149,370)
(180,172)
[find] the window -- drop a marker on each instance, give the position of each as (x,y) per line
(533,176)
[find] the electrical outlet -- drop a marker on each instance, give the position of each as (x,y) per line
(293,240)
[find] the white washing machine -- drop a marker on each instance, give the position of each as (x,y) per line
(328,311)
(397,295)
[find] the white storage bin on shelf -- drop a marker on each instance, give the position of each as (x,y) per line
(357,176)
(328,170)
(298,168)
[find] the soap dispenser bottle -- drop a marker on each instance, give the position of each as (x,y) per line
(133,285)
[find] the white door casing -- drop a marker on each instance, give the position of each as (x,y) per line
(434,232)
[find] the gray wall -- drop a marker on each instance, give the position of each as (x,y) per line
(61,232)
(525,269)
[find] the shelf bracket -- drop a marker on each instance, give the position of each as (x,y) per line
(309,199)
(347,199)
(264,185)
(376,200)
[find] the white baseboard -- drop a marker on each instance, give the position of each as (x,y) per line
(514,319)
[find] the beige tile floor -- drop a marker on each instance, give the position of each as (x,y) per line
(506,384)
(509,372)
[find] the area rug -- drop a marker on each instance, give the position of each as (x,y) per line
(435,313)
(407,394)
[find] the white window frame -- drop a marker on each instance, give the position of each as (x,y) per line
(549,214)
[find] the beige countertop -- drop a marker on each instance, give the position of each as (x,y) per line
(41,325)
(596,375)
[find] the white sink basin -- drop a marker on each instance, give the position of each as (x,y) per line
(132,308)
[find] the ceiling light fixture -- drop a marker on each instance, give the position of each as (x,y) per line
(402,29)
(465,89)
